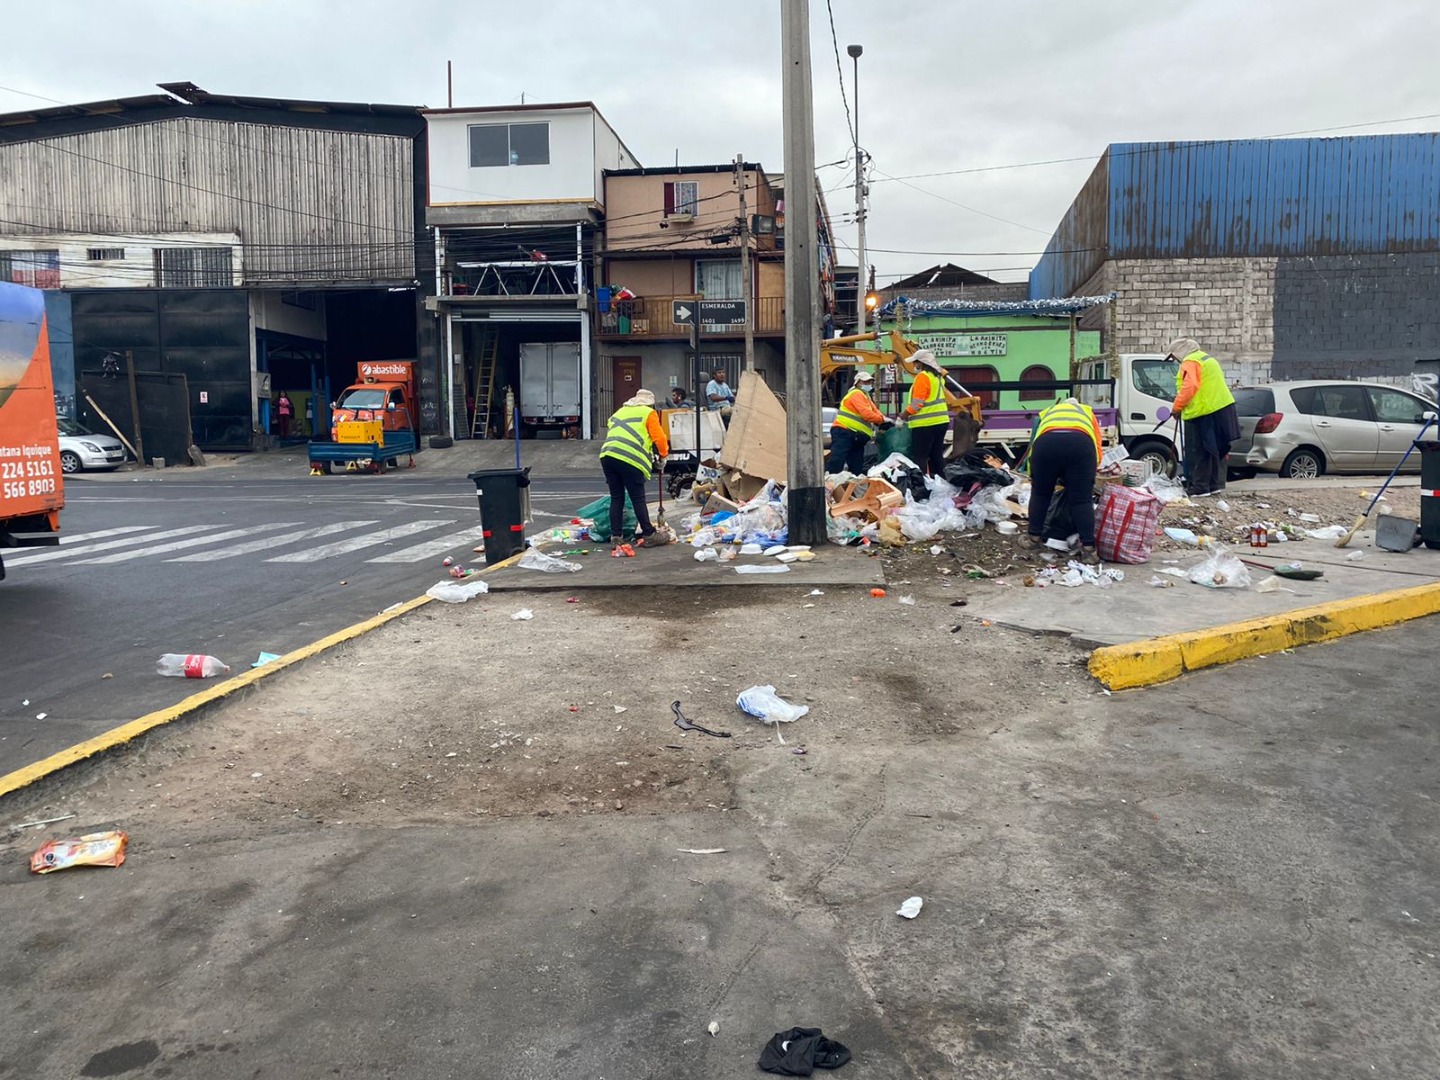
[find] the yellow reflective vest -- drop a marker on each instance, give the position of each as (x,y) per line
(1069,416)
(1213,394)
(848,416)
(627,440)
(929,403)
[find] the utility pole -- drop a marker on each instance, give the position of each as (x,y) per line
(747,268)
(805,487)
(861,276)
(134,407)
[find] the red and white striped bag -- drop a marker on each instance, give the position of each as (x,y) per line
(1125,524)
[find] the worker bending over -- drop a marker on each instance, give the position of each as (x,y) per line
(927,416)
(1065,447)
(1207,406)
(855,425)
(633,436)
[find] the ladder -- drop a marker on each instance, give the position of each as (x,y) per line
(487,375)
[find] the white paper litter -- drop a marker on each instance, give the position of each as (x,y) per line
(702,850)
(911,907)
(523,615)
(750,568)
(538,560)
(908,601)
(763,703)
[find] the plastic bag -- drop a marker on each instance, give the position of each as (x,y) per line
(599,510)
(763,568)
(92,849)
(763,703)
(451,593)
(1163,488)
(1221,571)
(1329,532)
(538,560)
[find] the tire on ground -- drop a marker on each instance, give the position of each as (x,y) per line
(441,442)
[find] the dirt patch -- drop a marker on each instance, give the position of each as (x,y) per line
(461,714)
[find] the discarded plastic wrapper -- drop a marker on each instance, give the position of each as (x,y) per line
(538,560)
(763,703)
(1354,555)
(911,907)
(1165,489)
(265,658)
(1182,536)
(750,568)
(450,593)
(1221,571)
(1272,584)
(707,554)
(1329,532)
(908,601)
(92,849)
(523,615)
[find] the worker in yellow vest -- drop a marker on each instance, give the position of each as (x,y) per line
(1205,403)
(855,425)
(1065,448)
(926,415)
(632,437)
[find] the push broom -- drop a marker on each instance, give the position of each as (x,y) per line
(1360,521)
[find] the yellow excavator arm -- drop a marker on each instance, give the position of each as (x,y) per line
(842,352)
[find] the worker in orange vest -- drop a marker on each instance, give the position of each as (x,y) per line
(855,425)
(927,415)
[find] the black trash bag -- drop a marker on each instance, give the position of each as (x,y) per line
(964,476)
(800,1051)
(1059,525)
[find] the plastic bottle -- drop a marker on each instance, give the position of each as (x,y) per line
(190,666)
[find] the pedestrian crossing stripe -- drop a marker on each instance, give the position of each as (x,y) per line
(267,543)
(180,545)
(355,543)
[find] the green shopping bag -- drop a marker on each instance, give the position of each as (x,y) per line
(599,510)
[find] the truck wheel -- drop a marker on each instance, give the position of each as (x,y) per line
(1160,456)
(441,442)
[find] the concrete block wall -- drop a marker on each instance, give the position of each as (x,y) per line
(1356,316)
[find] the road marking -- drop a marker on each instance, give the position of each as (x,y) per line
(65,553)
(194,541)
(432,548)
(326,551)
(268,542)
(80,538)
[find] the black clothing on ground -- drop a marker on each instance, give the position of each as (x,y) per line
(800,1051)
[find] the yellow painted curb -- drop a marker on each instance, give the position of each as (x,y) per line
(21,778)
(1143,663)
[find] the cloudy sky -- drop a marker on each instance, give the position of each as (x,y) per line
(981,120)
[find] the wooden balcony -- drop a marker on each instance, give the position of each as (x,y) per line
(650,317)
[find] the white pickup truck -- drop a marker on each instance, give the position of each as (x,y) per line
(1144,385)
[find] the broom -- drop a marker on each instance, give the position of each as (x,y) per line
(1360,521)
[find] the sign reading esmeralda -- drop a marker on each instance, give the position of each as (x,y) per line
(963,344)
(710,312)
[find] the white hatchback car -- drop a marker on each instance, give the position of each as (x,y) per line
(81,449)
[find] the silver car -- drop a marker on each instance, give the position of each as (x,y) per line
(1304,429)
(82,449)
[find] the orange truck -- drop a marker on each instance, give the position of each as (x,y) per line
(375,419)
(32,490)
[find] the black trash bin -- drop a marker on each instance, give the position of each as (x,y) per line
(504,496)
(1430,493)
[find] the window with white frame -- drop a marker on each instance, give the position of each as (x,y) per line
(509,144)
(38,269)
(193,267)
(682,197)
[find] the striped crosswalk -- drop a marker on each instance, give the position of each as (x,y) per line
(274,542)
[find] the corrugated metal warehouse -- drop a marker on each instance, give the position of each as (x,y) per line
(1292,258)
(249,244)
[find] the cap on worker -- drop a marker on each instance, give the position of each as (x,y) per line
(863,377)
(642,397)
(927,358)
(1182,347)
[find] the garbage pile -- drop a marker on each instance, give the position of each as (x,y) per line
(894,503)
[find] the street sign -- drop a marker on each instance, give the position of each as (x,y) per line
(710,312)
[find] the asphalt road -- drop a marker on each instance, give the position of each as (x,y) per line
(229,568)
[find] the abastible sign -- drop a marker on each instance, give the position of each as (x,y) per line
(963,344)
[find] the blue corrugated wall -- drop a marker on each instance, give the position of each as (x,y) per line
(1366,194)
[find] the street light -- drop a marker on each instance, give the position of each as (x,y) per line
(861,319)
